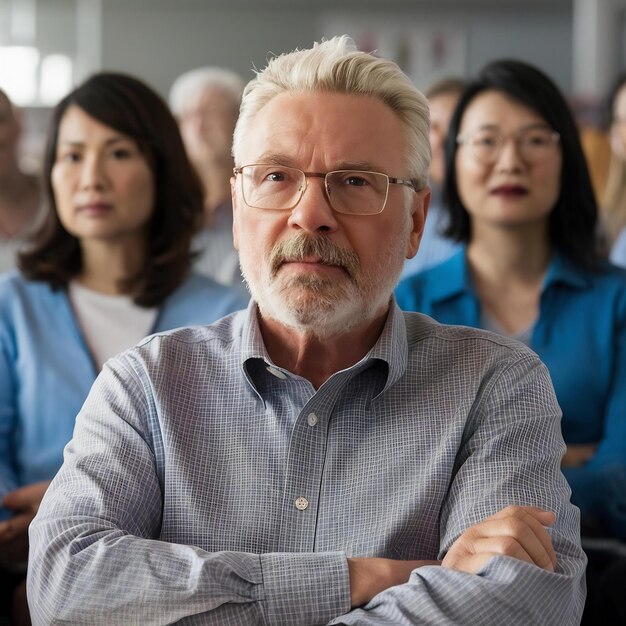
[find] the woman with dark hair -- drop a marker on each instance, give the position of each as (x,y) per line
(520,200)
(109,265)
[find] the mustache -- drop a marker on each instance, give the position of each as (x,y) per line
(303,246)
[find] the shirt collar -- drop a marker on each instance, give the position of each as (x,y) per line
(390,348)
(564,271)
(451,278)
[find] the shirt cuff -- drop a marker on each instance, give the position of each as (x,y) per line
(305,589)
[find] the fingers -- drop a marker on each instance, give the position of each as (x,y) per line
(515,531)
(26,498)
(528,549)
(528,524)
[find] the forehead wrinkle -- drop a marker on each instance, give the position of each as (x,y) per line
(276,158)
(363,166)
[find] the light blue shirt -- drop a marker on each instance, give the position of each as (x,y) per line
(216,256)
(207,485)
(580,335)
(434,246)
(46,369)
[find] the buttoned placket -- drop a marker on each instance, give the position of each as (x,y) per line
(304,465)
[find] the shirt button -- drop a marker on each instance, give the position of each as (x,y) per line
(312,419)
(276,372)
(301,503)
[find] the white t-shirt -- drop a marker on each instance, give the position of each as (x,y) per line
(618,253)
(489,322)
(110,324)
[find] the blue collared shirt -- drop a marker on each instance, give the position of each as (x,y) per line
(580,335)
(46,369)
(205,484)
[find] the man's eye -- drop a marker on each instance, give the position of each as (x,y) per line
(275,177)
(355,181)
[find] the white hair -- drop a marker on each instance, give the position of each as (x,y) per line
(189,85)
(337,66)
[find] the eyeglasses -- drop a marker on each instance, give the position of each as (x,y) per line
(352,192)
(533,144)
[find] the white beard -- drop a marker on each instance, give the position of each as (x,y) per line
(322,306)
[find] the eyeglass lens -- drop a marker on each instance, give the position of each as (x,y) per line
(533,144)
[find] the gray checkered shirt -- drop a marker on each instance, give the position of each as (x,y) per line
(206,485)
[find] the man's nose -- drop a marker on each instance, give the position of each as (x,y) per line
(313,213)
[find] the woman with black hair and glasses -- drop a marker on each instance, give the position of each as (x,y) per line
(520,199)
(110,265)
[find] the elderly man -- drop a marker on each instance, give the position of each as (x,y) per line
(206,103)
(321,457)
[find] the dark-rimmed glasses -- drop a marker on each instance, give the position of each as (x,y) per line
(353,192)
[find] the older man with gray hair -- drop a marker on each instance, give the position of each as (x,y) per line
(206,103)
(321,457)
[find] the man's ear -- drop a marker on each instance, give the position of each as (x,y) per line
(421,202)
(233,196)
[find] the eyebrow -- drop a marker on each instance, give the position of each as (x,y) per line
(108,142)
(273,158)
(526,127)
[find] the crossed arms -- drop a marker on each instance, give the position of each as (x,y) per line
(102,550)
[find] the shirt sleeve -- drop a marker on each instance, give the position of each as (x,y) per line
(95,552)
(511,455)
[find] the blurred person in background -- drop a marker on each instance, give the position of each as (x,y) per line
(614,198)
(206,103)
(597,148)
(520,199)
(19,191)
(109,265)
(435,246)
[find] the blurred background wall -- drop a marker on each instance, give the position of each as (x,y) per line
(46,46)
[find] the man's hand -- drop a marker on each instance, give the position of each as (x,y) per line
(369,576)
(517,531)
(14,531)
